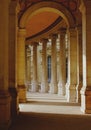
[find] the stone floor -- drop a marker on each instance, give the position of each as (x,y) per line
(45,96)
(50,112)
(49,103)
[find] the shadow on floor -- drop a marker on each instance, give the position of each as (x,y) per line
(46,121)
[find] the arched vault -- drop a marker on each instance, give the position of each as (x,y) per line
(47,6)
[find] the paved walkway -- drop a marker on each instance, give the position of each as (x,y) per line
(49,103)
(42,113)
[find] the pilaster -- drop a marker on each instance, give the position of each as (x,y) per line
(5,99)
(85,9)
(21,65)
(5,107)
(12,59)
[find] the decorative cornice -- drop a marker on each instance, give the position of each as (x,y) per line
(70,4)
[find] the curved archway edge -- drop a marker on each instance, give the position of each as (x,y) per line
(47,6)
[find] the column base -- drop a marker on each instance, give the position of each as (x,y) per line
(44,88)
(86,100)
(22,93)
(72,93)
(79,94)
(5,114)
(61,89)
(5,126)
(14,102)
(53,88)
(66,90)
(34,87)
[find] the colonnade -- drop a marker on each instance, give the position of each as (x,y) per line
(65,65)
(12,63)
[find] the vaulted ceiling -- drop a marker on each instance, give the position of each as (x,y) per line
(40,22)
(43,20)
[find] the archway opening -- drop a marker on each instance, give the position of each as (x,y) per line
(45,7)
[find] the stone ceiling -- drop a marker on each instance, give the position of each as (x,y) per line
(42,20)
(39,22)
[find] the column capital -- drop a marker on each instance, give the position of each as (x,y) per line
(34,43)
(22,32)
(79,29)
(72,32)
(82,6)
(12,7)
(62,31)
(53,36)
(28,49)
(44,40)
(87,3)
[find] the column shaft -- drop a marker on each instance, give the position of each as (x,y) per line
(12,59)
(62,64)
(28,67)
(21,65)
(34,82)
(53,87)
(79,61)
(44,84)
(72,66)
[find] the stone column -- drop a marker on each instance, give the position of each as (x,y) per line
(12,58)
(66,45)
(21,65)
(5,99)
(62,64)
(85,9)
(34,82)
(53,85)
(79,63)
(44,83)
(72,66)
(28,67)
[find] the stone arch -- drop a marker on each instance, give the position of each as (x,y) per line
(47,6)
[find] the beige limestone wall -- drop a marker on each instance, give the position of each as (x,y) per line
(4,22)
(85,9)
(5,99)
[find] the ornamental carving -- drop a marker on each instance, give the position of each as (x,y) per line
(69,4)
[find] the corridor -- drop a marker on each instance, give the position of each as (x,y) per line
(43,112)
